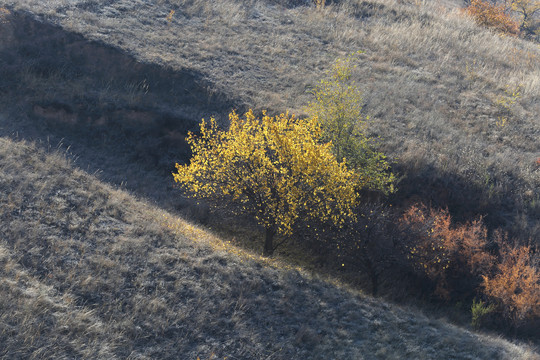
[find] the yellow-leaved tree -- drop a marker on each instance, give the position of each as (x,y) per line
(276,168)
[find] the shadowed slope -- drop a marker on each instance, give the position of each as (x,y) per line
(124,118)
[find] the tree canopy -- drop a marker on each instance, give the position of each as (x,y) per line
(276,168)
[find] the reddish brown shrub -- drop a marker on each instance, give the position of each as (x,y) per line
(492,16)
(453,256)
(515,284)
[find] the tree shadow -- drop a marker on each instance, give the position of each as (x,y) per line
(468,197)
(122,118)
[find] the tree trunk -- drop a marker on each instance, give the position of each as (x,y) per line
(269,241)
(374,277)
(374,283)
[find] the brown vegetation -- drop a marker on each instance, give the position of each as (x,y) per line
(462,263)
(515,284)
(492,16)
(452,256)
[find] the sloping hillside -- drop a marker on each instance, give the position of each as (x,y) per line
(456,105)
(87,271)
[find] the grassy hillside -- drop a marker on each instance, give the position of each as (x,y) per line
(88,271)
(456,105)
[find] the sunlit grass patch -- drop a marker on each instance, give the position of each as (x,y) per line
(203,236)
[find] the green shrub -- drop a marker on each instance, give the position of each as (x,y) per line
(478,311)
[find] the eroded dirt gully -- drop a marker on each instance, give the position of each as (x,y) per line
(118,117)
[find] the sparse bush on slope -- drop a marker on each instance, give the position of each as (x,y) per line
(527,10)
(453,256)
(514,285)
(479,310)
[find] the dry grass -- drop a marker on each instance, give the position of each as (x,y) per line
(88,271)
